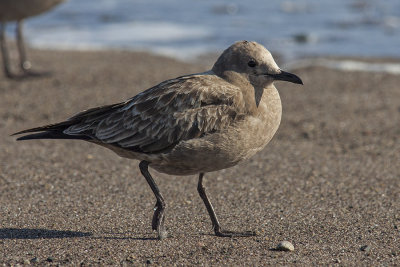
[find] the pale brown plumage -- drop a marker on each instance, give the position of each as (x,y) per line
(17,10)
(191,124)
(14,10)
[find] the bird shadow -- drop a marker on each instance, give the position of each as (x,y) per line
(26,233)
(144,238)
(30,75)
(125,236)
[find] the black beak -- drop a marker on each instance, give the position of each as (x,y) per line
(286,76)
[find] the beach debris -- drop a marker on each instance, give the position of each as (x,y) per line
(365,248)
(285,246)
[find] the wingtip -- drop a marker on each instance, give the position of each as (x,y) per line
(41,135)
(22,138)
(17,133)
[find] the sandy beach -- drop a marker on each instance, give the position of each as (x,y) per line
(329,181)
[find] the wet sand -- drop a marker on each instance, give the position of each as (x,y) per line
(328,182)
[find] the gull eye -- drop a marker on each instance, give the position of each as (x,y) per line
(252,63)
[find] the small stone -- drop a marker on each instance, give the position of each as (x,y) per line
(365,248)
(285,246)
(305,135)
(27,262)
(34,260)
(131,259)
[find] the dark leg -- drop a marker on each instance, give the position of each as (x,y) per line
(158,217)
(217,227)
(24,63)
(4,51)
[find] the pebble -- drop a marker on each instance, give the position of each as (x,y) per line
(365,248)
(131,259)
(285,246)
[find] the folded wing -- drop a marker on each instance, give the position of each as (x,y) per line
(158,118)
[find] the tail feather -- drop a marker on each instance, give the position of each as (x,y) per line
(56,131)
(51,135)
(51,131)
(50,127)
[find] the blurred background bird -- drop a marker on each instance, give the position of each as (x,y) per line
(18,10)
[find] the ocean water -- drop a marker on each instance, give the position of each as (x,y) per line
(188,28)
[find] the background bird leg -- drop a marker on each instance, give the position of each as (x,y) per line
(24,63)
(4,51)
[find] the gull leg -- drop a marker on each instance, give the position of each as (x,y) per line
(158,217)
(4,51)
(24,63)
(216,225)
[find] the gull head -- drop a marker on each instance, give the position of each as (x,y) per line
(253,62)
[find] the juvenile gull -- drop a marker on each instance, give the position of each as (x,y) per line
(17,10)
(192,124)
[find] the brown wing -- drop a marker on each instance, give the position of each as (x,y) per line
(158,118)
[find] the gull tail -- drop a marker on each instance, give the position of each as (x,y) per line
(52,131)
(56,130)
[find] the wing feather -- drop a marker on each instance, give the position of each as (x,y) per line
(158,118)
